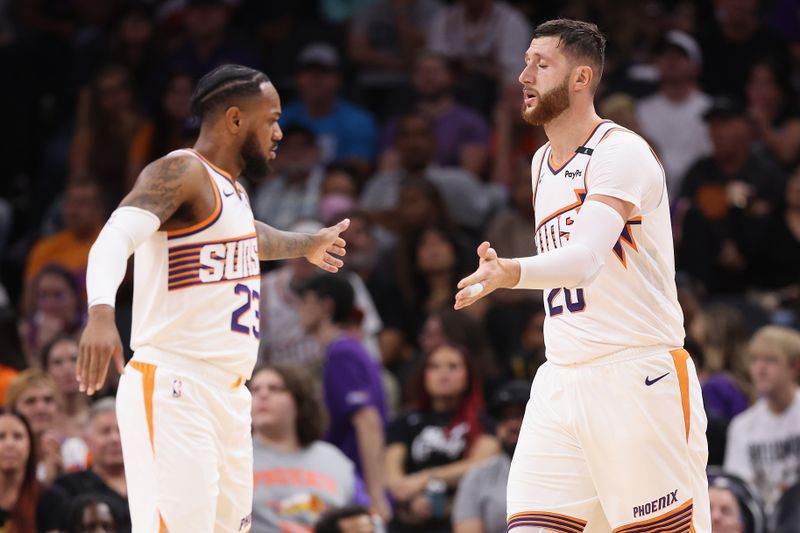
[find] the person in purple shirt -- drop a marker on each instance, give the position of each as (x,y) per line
(462,134)
(351,381)
(345,132)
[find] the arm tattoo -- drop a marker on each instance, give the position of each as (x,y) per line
(159,187)
(275,244)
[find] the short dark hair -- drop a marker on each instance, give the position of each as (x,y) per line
(308,136)
(329,522)
(312,419)
(338,289)
(223,85)
(580,39)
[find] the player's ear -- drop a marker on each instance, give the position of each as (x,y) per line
(233,119)
(583,77)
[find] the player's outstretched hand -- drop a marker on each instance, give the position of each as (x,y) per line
(99,343)
(328,244)
(492,273)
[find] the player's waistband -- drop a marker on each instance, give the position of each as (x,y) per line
(627,354)
(191,367)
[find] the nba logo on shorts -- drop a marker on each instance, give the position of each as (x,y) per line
(177,388)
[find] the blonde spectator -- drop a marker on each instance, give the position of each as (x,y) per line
(764,441)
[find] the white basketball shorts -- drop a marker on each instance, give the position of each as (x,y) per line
(187,448)
(613,445)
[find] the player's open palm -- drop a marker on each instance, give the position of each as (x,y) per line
(100,343)
(327,245)
(492,273)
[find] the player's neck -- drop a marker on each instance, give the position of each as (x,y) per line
(218,153)
(779,402)
(282,443)
(569,130)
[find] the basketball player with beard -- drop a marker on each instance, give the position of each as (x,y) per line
(182,405)
(613,437)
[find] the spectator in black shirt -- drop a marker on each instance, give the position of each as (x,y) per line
(437,442)
(724,194)
(92,513)
(106,477)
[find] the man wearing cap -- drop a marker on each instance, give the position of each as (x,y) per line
(480,504)
(726,194)
(672,118)
(344,131)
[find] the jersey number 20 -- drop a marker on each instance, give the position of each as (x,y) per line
(574,305)
(241,311)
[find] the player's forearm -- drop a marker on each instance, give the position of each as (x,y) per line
(594,234)
(369,435)
(275,244)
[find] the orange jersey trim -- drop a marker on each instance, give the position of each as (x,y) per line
(580,194)
(560,168)
(208,221)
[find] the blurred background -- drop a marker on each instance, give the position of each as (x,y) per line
(404,116)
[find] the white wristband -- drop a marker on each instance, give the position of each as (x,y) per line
(126,229)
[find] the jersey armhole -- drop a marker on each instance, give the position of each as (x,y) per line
(206,222)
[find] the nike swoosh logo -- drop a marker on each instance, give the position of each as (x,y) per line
(227,194)
(648,381)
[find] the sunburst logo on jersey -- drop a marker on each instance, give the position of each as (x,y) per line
(627,236)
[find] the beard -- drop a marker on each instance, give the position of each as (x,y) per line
(550,105)
(256,165)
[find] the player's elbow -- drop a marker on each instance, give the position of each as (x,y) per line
(588,266)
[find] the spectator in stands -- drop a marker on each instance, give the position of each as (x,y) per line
(338,193)
(734,44)
(297,477)
(673,117)
(59,360)
(106,476)
(778,266)
(480,504)
(283,339)
(427,266)
(133,45)
(469,200)
(446,326)
(108,119)
(726,192)
(362,247)
(54,306)
(764,441)
(92,513)
(345,132)
(19,489)
(346,520)
(462,135)
(726,516)
(432,447)
(209,40)
(484,37)
(172,127)
(293,193)
(83,215)
(523,353)
(351,381)
(384,38)
(720,335)
(770,99)
(35,396)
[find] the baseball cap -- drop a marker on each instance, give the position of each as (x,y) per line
(684,42)
(725,107)
(320,55)
(513,392)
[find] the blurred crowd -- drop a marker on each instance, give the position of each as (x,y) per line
(375,405)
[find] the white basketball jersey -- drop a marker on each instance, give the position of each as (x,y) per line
(632,304)
(196,290)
